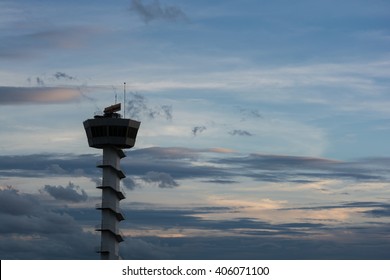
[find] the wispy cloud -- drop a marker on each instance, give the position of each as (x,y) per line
(37,42)
(250,113)
(40,81)
(138,107)
(62,75)
(240,132)
(198,129)
(156,11)
(37,95)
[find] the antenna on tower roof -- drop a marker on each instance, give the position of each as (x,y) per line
(124,100)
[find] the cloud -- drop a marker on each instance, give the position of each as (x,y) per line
(48,165)
(56,169)
(158,228)
(221,181)
(37,80)
(198,129)
(250,113)
(138,107)
(155,11)
(69,193)
(141,249)
(62,75)
(215,165)
(38,42)
(32,229)
(261,247)
(305,168)
(240,132)
(203,238)
(40,81)
(375,209)
(163,180)
(167,111)
(129,183)
(16,204)
(37,95)
(381,212)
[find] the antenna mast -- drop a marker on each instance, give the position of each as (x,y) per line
(124,100)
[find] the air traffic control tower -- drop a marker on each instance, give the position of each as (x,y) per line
(111,133)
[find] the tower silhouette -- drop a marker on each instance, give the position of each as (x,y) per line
(111,133)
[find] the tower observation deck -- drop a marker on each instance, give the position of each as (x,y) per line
(111,133)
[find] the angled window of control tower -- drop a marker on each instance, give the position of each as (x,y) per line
(111,133)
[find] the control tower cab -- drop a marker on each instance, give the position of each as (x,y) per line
(110,129)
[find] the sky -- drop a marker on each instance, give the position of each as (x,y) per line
(264,127)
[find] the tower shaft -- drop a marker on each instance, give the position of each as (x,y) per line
(111,195)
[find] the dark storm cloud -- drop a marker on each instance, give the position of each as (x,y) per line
(240,132)
(37,95)
(31,229)
(156,11)
(71,192)
(137,107)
